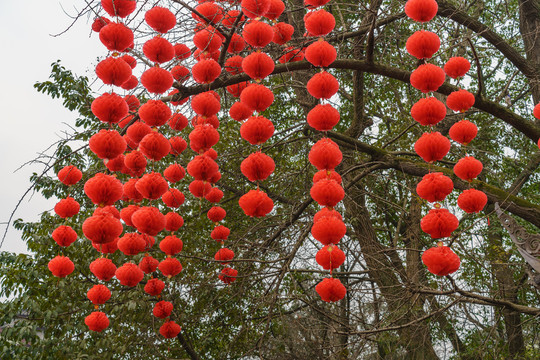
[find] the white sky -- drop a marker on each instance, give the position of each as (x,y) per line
(31,121)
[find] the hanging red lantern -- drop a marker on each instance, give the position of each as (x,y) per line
(224,256)
(421,10)
(457,67)
(256,203)
(331,290)
(99,23)
(103,189)
(258,34)
(206,71)
(472,201)
(171,245)
(282,33)
(319,22)
(255,8)
(292,54)
(120,8)
(434,187)
(236,45)
(322,85)
(148,220)
(178,122)
(107,210)
(98,294)
(135,161)
(107,144)
(170,330)
(110,108)
(323,117)
(423,44)
(236,89)
(69,175)
(257,97)
(97,321)
(230,18)
(155,113)
(211,11)
(325,154)
(257,130)
(460,100)
(160,19)
(214,196)
(220,233)
(216,214)
(536,111)
(326,212)
(205,104)
(64,235)
(103,268)
(61,266)
(275,10)
(427,78)
(173,221)
(321,53)
(130,192)
(204,55)
(131,244)
(463,132)
(258,65)
(468,168)
(233,65)
(157,80)
(154,287)
(207,40)
(67,208)
(328,230)
(173,198)
(327,192)
(180,73)
(182,52)
(137,131)
(170,267)
(116,37)
(113,71)
(155,146)
(174,173)
(130,60)
(228,275)
(130,84)
(102,229)
(326,174)
(257,166)
(148,265)
(428,111)
(330,257)
(203,120)
(162,309)
(432,146)
(178,145)
(116,164)
(203,137)
(199,188)
(125,214)
(240,111)
(441,260)
(439,223)
(158,50)
(129,274)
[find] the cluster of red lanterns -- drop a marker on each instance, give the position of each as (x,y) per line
(328,226)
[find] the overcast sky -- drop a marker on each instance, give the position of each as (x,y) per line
(31,121)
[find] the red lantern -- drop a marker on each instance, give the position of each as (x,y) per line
(439,223)
(137,131)
(257,166)
(220,233)
(135,161)
(329,230)
(116,37)
(423,44)
(113,71)
(258,34)
(170,329)
(457,67)
(291,55)
(160,19)
(121,8)
(203,137)
(258,65)
(131,244)
(158,50)
(157,80)
(441,260)
(180,73)
(163,309)
(212,12)
(155,113)
(107,210)
(432,146)
(148,265)
(460,100)
(321,53)
(61,266)
(64,235)
(236,89)
(282,33)
(214,196)
(130,192)
(170,267)
(129,274)
(126,213)
(326,174)
(228,275)
(330,257)
(130,60)
(102,229)
(110,108)
(155,146)
(331,290)
(173,221)
(199,188)
(205,104)
(472,201)
(173,198)
(99,23)
(103,189)
(103,268)
(434,187)
(326,212)
(256,203)
(327,192)
(233,65)
(207,40)
(322,85)
(323,117)
(255,8)
(178,122)
(216,214)
(463,132)
(181,51)
(325,154)
(148,220)
(421,10)
(536,111)
(230,18)
(171,245)
(116,164)
(178,145)
(239,111)
(98,294)
(69,175)
(428,111)
(319,22)
(427,78)
(224,256)
(257,97)
(107,144)
(174,173)
(97,321)
(468,168)
(67,208)
(257,130)
(154,287)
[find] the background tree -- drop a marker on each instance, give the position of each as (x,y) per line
(394,308)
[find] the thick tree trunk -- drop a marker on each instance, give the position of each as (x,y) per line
(529,20)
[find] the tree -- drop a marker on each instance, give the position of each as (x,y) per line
(394,308)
